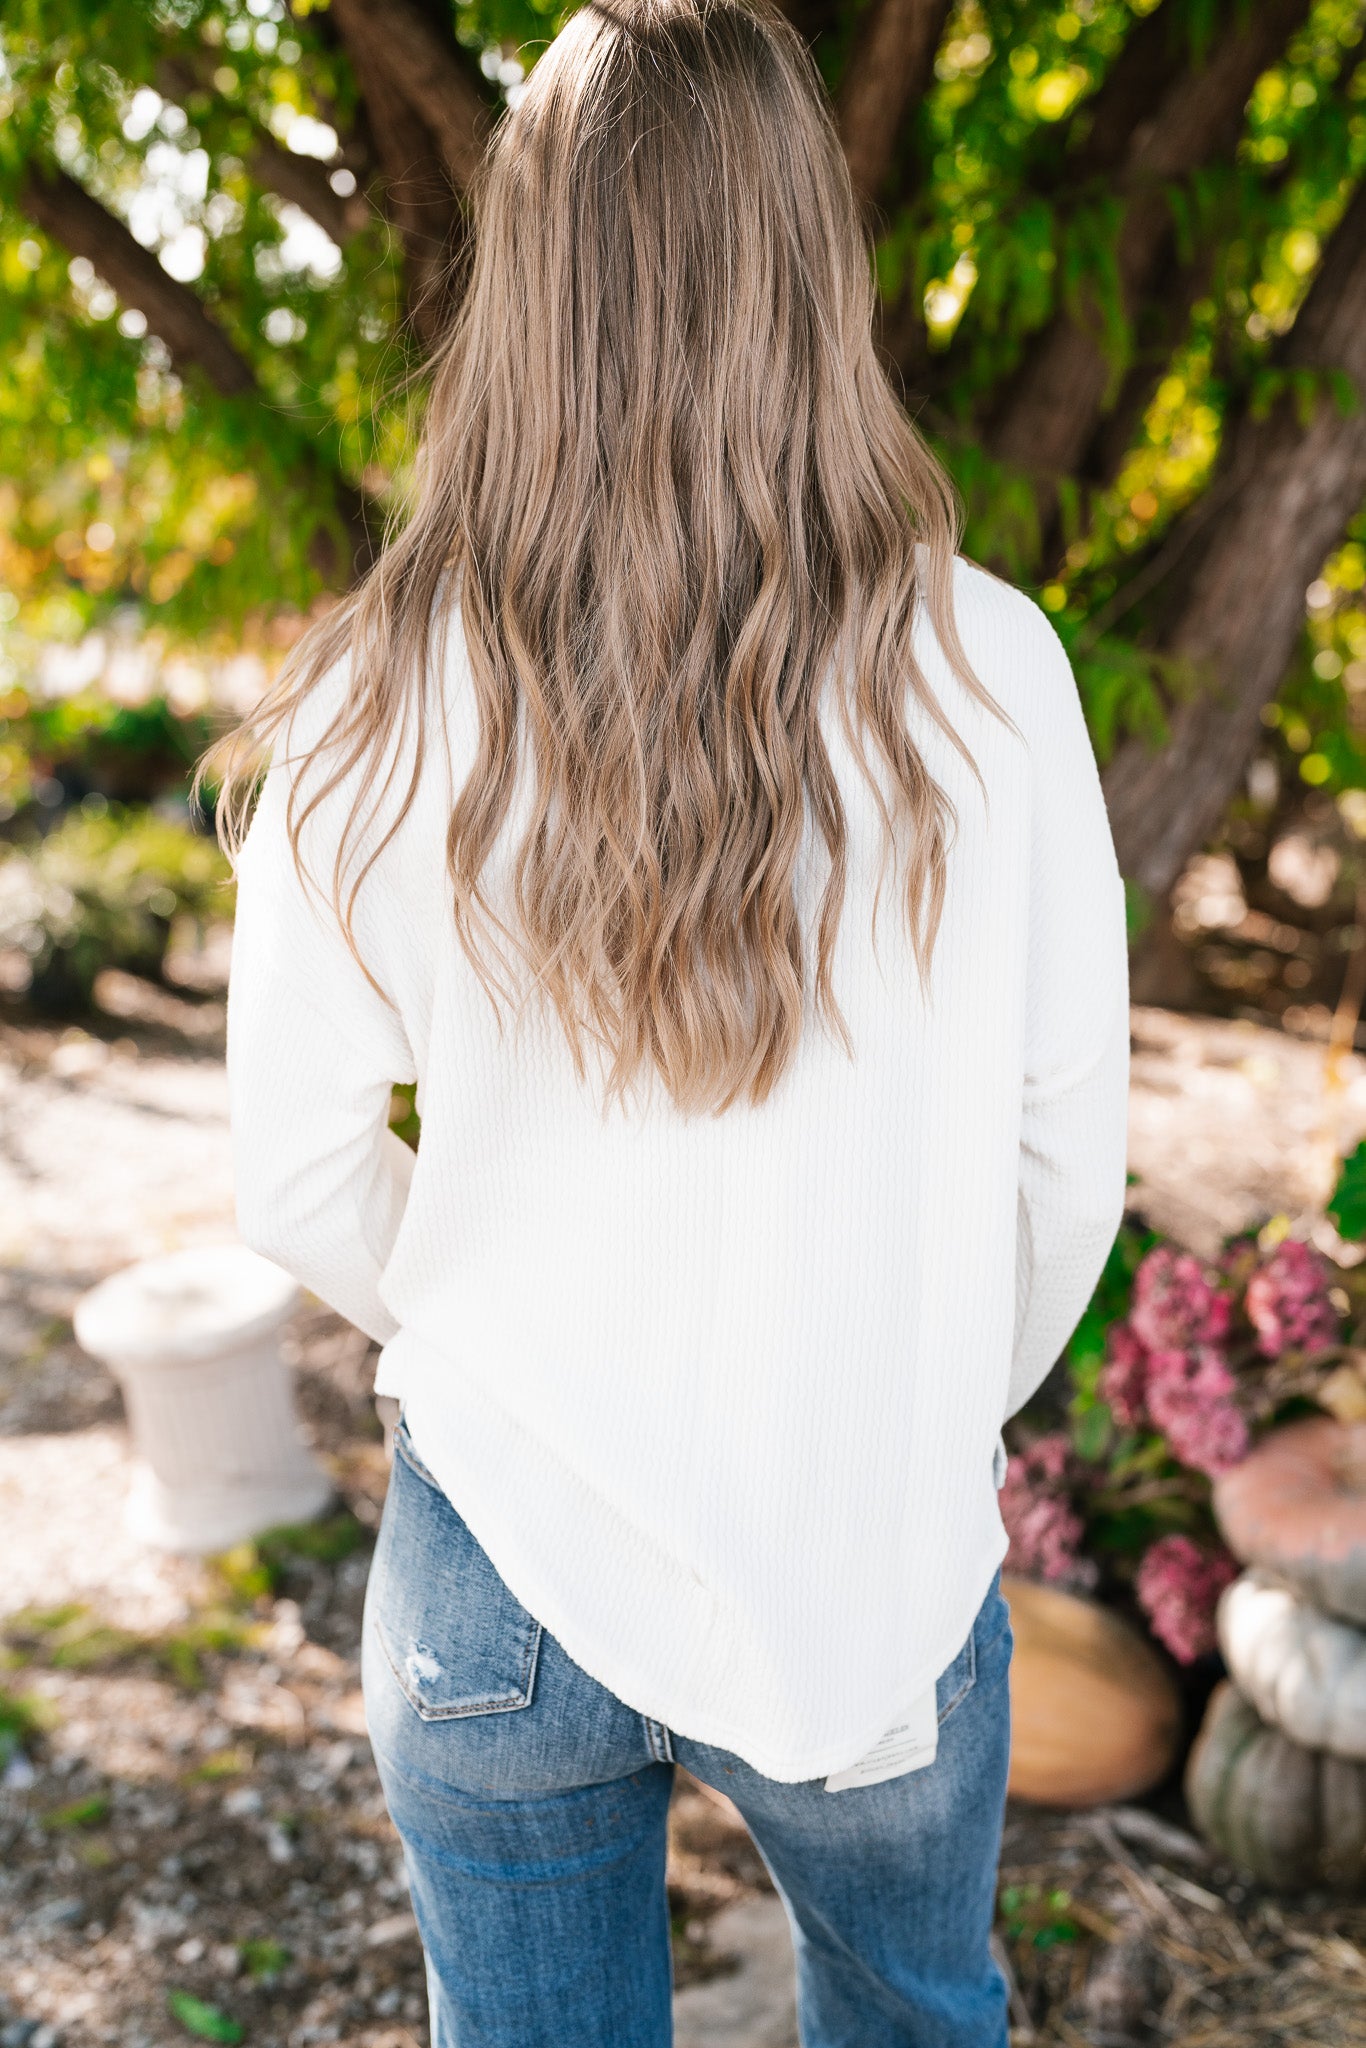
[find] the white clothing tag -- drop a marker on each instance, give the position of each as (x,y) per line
(909,1746)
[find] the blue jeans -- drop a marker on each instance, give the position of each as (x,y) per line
(532,1806)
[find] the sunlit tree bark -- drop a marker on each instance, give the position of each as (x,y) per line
(1240,563)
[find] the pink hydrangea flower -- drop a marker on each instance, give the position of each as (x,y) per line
(1178,1586)
(1123,1382)
(1287,1301)
(1049,1458)
(1044,1527)
(1190,1400)
(1176,1304)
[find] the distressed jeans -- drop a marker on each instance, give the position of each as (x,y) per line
(532,1806)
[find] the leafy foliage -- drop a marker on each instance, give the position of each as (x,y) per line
(1035,1914)
(256,1570)
(102,890)
(1085,1354)
(88,744)
(72,1638)
(131,482)
(404,1120)
(211,504)
(206,2022)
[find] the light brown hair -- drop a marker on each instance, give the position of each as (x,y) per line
(668,484)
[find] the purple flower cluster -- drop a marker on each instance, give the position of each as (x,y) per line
(1171,1370)
(1163,1366)
(1190,1399)
(1041,1520)
(1288,1301)
(1176,1304)
(1178,1586)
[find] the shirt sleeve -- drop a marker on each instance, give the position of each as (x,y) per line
(314,1051)
(1075,1108)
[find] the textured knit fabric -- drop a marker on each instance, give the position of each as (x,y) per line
(718,1395)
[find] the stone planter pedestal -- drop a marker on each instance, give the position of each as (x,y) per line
(194,1339)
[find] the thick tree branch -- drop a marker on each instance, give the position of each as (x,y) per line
(1101,131)
(1284,495)
(1049,414)
(396,39)
(888,73)
(66,211)
(1158,330)
(1091,145)
(1159,327)
(303,180)
(72,217)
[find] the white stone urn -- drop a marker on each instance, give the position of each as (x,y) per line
(194,1337)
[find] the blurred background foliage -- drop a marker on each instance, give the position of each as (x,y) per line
(231,229)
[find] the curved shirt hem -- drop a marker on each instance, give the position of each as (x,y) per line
(444,1424)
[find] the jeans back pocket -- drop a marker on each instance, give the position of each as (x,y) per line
(457,1641)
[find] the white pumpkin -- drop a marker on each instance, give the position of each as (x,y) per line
(1304,1672)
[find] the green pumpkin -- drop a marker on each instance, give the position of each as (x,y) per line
(1292,1817)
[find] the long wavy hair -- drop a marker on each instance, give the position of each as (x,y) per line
(667,484)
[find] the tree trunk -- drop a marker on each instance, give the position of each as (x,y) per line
(888,72)
(420,195)
(1103,130)
(1051,411)
(398,39)
(813,19)
(1282,498)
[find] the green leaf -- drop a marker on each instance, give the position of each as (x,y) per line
(404,1120)
(204,2021)
(23,1717)
(246,1574)
(323,1542)
(1347,1203)
(1092,1432)
(264,1959)
(1060,1931)
(81,1813)
(224,1763)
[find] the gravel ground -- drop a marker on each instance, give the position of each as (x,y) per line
(1230,1122)
(192,1839)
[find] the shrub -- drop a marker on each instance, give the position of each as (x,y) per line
(101,890)
(130,753)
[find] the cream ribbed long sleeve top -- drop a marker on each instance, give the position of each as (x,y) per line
(719,1396)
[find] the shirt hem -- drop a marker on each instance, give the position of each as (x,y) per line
(696,1610)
